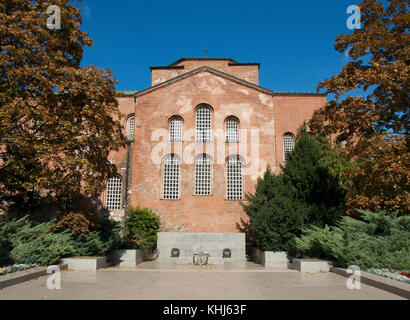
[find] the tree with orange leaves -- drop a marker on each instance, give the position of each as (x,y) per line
(58,120)
(373,126)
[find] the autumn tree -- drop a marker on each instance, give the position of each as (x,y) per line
(374,124)
(58,119)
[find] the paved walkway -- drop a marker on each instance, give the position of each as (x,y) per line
(189,282)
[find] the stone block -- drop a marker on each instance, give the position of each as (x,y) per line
(311,265)
(85,263)
(126,257)
(213,244)
(270,259)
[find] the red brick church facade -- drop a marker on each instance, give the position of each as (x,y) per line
(198,138)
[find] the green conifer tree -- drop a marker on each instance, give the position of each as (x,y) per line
(276,214)
(309,191)
(310,171)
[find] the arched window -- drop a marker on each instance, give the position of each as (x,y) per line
(130,127)
(232,130)
(203,123)
(288,144)
(234,184)
(203,175)
(171,176)
(175,129)
(113,200)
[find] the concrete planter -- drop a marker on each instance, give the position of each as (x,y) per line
(270,259)
(311,265)
(85,263)
(396,287)
(127,257)
(14,278)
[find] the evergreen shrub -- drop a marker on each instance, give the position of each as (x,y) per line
(276,215)
(28,242)
(141,227)
(378,240)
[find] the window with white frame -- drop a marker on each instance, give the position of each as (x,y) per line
(234,183)
(175,129)
(113,199)
(171,176)
(131,126)
(203,175)
(288,144)
(203,124)
(232,130)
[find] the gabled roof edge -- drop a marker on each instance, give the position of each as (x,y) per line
(244,82)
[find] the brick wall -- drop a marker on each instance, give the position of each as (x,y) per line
(247,72)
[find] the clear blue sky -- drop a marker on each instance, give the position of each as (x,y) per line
(293,40)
